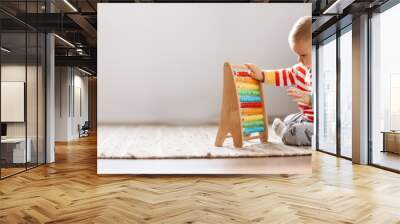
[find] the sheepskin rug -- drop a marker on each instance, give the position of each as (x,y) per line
(172,142)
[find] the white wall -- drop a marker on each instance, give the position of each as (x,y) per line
(80,83)
(163,62)
(68,80)
(61,103)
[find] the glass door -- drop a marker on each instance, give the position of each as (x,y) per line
(385,89)
(327,95)
(22,78)
(14,153)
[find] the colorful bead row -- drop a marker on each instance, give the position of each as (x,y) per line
(247,86)
(250,105)
(242,73)
(252,124)
(253,130)
(247,92)
(258,117)
(250,99)
(252,111)
(246,79)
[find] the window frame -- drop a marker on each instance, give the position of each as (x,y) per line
(333,37)
(381,9)
(27,29)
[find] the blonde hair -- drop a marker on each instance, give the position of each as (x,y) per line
(301,30)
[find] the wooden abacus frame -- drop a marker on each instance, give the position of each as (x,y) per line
(230,124)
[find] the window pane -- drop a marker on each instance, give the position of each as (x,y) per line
(22,89)
(41,98)
(327,96)
(385,88)
(15,151)
(31,100)
(346,94)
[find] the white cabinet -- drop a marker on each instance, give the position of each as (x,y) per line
(17,146)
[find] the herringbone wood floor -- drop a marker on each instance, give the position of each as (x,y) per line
(70,191)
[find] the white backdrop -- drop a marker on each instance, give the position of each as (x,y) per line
(12,101)
(162,63)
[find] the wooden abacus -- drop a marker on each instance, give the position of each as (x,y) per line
(243,111)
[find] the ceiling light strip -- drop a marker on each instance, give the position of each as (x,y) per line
(70,5)
(84,71)
(64,40)
(337,7)
(5,50)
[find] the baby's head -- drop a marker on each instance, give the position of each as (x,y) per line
(300,40)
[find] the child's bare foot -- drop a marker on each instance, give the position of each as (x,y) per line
(278,126)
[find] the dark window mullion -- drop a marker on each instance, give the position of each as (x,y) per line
(26,87)
(316,97)
(44,72)
(338,78)
(37,90)
(369,81)
(0,98)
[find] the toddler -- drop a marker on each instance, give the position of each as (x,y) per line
(295,129)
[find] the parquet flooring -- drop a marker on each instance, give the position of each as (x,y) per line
(70,191)
(10,171)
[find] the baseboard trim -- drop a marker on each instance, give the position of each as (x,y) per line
(264,165)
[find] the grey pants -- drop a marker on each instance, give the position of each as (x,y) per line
(298,130)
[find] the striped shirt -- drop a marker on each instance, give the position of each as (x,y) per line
(297,76)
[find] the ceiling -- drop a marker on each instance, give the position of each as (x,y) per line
(75,21)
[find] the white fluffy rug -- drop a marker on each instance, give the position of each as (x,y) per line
(172,142)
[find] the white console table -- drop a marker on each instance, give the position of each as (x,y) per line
(18,150)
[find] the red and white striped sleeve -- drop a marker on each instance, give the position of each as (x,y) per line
(286,77)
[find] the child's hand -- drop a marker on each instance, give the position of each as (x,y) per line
(256,73)
(300,96)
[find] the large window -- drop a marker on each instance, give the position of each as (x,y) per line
(385,89)
(22,77)
(346,92)
(327,95)
(334,94)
